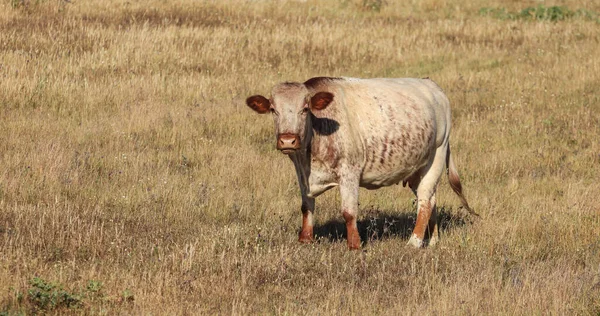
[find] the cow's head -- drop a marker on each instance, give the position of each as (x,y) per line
(291,105)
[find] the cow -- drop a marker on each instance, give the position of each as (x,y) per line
(370,133)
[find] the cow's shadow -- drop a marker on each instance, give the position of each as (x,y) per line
(381,225)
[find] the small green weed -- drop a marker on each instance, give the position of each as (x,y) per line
(127,296)
(94,286)
(44,296)
(540,13)
(373,5)
(48,296)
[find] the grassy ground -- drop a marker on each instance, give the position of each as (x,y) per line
(134,180)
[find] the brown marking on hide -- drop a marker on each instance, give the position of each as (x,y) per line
(393,147)
(331,155)
(371,158)
(352,231)
(258,103)
(306,235)
(321,100)
(423,216)
(392,116)
(429,138)
(426,125)
(385,142)
(318,81)
(403,140)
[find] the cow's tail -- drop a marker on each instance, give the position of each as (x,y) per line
(455,182)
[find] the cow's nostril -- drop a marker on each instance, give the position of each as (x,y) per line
(293,141)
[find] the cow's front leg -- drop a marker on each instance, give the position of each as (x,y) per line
(349,194)
(308,207)
(308,204)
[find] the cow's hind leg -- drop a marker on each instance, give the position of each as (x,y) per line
(434,234)
(425,191)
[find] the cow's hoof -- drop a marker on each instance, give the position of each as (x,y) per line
(353,246)
(415,241)
(433,242)
(305,238)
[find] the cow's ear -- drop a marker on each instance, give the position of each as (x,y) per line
(259,103)
(320,100)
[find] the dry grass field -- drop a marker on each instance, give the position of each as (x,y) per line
(134,179)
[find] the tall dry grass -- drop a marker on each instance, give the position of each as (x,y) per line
(133,177)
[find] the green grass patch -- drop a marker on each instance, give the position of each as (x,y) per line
(541,13)
(43,296)
(46,296)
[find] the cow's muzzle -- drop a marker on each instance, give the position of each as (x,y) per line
(288,143)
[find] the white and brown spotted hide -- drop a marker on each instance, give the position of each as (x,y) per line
(371,133)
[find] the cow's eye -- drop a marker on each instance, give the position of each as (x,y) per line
(305,110)
(272,110)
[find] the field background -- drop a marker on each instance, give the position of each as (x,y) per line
(134,180)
